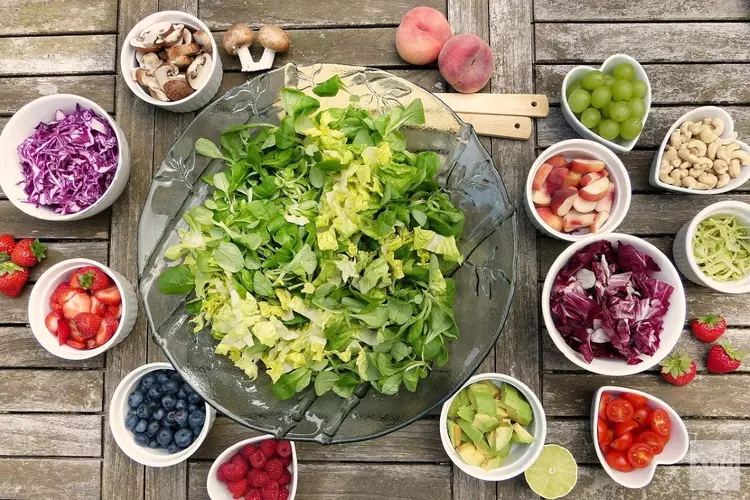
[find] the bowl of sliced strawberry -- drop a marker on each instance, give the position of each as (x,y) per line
(80,308)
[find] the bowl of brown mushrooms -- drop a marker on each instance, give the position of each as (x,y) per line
(701,155)
(169,59)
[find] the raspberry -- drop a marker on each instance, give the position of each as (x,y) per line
(241,462)
(220,475)
(231,472)
(268,447)
(284,449)
(270,491)
(253,494)
(285,478)
(283,493)
(238,488)
(248,450)
(258,460)
(287,461)
(274,467)
(258,478)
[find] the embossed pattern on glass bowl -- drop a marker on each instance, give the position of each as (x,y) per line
(485,282)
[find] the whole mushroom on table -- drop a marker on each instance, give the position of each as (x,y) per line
(173,61)
(698,158)
(238,39)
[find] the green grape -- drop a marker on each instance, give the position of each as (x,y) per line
(590,118)
(609,129)
(622,90)
(609,80)
(619,112)
(640,89)
(593,79)
(600,97)
(630,128)
(573,87)
(579,100)
(637,107)
(606,109)
(624,71)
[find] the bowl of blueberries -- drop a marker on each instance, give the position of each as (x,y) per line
(156,418)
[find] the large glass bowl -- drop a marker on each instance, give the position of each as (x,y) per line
(485,282)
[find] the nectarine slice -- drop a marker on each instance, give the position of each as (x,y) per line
(541,176)
(541,197)
(586,166)
(550,218)
(563,199)
(595,191)
(605,204)
(575,220)
(599,221)
(556,178)
(557,161)
(584,206)
(573,179)
(591,177)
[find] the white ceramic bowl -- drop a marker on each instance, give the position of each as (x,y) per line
(22,125)
(581,148)
(673,321)
(697,115)
(218,490)
(607,67)
(673,452)
(197,99)
(522,455)
(118,410)
(39,308)
(682,248)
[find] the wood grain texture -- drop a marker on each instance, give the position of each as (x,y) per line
(15,92)
(570,395)
(51,435)
(641,10)
(60,251)
(69,478)
(221,14)
(677,42)
(50,391)
(20,349)
(21,225)
(57,55)
(38,17)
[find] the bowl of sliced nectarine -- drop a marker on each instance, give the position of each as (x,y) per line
(576,188)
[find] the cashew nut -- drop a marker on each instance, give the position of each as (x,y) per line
(734,168)
(712,149)
(696,128)
(708,136)
(675,162)
(721,167)
(665,178)
(708,179)
(697,147)
(689,182)
(686,155)
(671,153)
(695,172)
(685,128)
(685,165)
(723,180)
(678,138)
(742,156)
(718,125)
(677,176)
(700,185)
(703,163)
(725,152)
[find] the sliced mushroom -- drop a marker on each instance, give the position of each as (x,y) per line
(177,89)
(156,92)
(199,71)
(175,37)
(187,36)
(165,72)
(182,61)
(150,61)
(144,77)
(205,40)
(157,31)
(188,49)
(143,46)
(236,41)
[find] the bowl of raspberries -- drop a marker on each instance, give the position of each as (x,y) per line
(260,468)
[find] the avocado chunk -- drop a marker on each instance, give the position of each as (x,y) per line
(493,463)
(473,434)
(483,401)
(521,435)
(470,454)
(485,423)
(466,413)
(500,411)
(515,404)
(484,449)
(502,436)
(454,432)
(461,399)
(504,451)
(487,384)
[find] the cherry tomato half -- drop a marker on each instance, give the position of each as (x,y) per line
(636,400)
(627,426)
(557,161)
(659,422)
(604,434)
(619,410)
(641,416)
(623,442)
(618,461)
(655,441)
(640,455)
(603,405)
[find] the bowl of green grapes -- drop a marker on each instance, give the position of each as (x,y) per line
(610,104)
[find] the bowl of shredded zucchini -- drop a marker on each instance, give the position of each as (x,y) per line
(327,253)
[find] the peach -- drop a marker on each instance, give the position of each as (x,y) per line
(557,161)
(586,166)
(556,178)
(421,35)
(599,221)
(466,63)
(575,220)
(584,206)
(572,179)
(541,197)
(595,191)
(591,177)
(605,204)
(541,176)
(563,200)
(551,218)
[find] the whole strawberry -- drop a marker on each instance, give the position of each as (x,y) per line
(7,243)
(28,253)
(708,328)
(723,358)
(12,279)
(90,278)
(678,369)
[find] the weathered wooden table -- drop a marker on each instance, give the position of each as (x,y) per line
(54,440)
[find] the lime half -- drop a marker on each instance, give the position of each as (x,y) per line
(554,474)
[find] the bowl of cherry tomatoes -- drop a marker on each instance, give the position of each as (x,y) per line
(634,432)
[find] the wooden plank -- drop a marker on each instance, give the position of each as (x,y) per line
(221,14)
(352,481)
(41,17)
(15,92)
(57,55)
(677,42)
(19,349)
(51,435)
(69,478)
(570,395)
(58,252)
(641,10)
(50,391)
(706,83)
(419,442)
(21,225)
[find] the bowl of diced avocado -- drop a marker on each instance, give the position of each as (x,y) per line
(494,427)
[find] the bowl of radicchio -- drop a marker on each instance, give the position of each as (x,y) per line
(64,158)
(613,304)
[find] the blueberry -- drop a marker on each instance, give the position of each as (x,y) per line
(183,438)
(135,399)
(131,421)
(181,404)
(170,387)
(187,389)
(153,443)
(159,414)
(181,394)
(195,399)
(173,448)
(153,428)
(148,381)
(155,393)
(141,426)
(164,436)
(197,418)
(191,408)
(170,417)
(142,439)
(181,417)
(197,431)
(153,406)
(176,377)
(143,412)
(162,377)
(130,412)
(168,401)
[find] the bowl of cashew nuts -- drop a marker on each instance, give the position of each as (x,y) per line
(701,155)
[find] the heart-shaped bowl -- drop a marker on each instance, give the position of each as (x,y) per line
(620,145)
(673,452)
(697,115)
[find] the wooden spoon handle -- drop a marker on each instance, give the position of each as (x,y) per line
(509,127)
(534,105)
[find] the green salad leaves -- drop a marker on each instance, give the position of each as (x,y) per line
(321,255)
